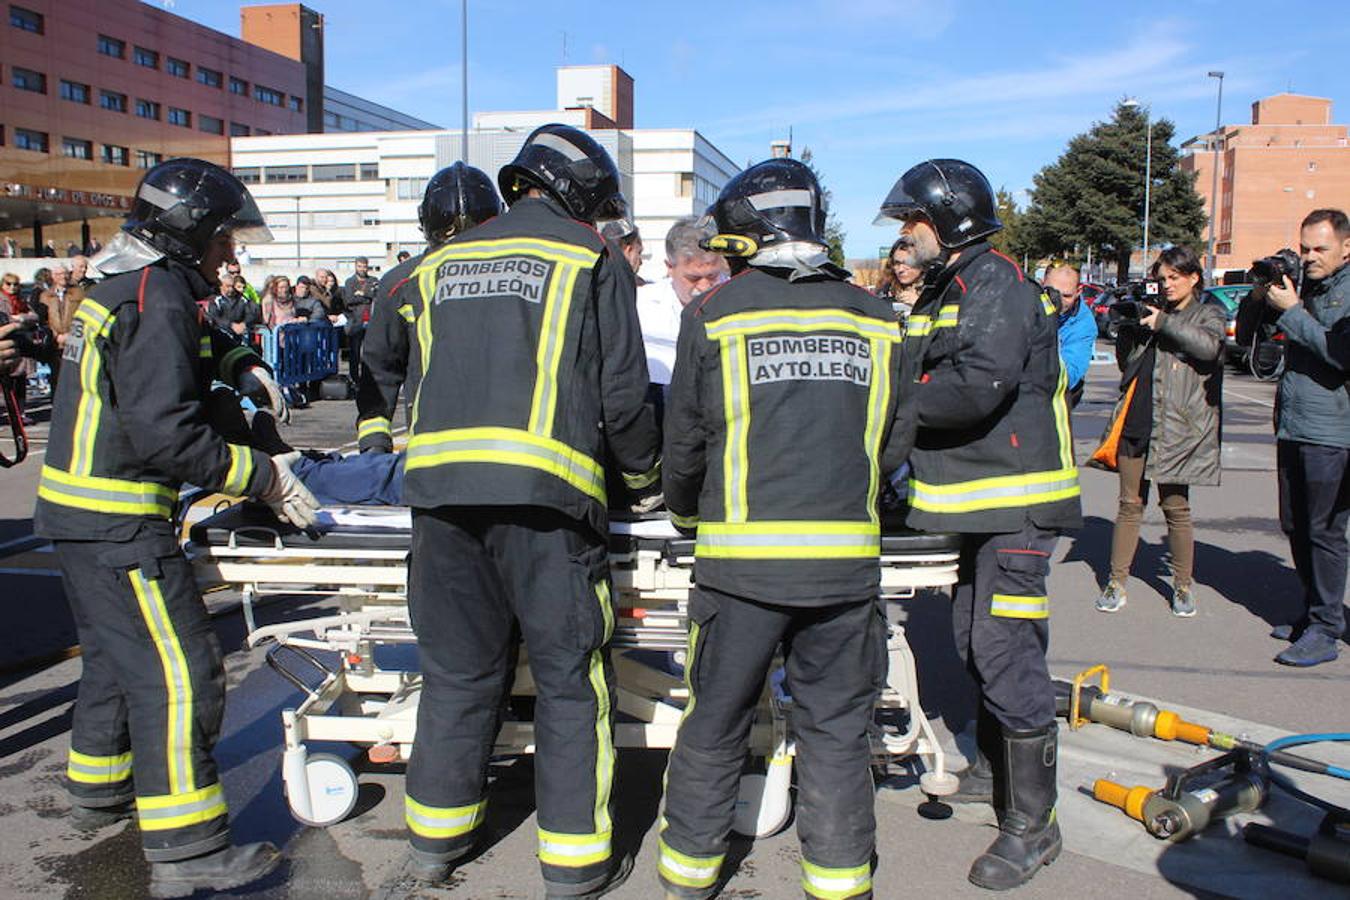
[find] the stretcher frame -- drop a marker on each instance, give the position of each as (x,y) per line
(356,701)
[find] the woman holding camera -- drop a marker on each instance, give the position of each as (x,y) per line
(1171,392)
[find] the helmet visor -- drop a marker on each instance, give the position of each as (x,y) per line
(247,225)
(897,213)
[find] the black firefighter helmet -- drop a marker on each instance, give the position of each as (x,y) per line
(770,203)
(953,195)
(182,204)
(567,163)
(457,198)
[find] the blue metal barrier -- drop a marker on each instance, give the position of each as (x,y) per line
(302,352)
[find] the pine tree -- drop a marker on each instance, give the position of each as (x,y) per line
(1093,195)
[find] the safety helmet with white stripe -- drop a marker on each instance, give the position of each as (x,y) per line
(774,202)
(951,194)
(569,165)
(181,205)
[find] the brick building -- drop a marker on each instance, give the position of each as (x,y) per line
(92,92)
(1291,159)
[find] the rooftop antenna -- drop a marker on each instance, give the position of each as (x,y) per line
(564,59)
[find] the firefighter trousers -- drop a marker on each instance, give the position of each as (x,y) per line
(835,659)
(474,573)
(1001,621)
(152,692)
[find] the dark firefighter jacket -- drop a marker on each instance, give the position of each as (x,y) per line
(131,427)
(391,342)
(780,403)
(532,366)
(983,400)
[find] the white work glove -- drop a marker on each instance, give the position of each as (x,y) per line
(258,385)
(289,498)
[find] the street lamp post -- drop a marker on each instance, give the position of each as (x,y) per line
(1148,169)
(1214,180)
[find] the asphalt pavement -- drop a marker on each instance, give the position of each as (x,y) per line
(1219,661)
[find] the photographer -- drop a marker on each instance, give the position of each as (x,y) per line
(1170,405)
(1312,413)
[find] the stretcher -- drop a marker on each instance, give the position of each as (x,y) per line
(359,555)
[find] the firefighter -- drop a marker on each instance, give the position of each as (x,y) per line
(457,198)
(533,369)
(125,435)
(780,407)
(982,398)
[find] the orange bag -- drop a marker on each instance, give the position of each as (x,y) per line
(1104,457)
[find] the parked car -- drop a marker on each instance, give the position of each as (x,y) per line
(1228,298)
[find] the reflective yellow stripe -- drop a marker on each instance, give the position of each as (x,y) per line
(994,493)
(241,470)
(179,810)
(106,495)
(549,353)
(177,682)
(426,282)
(878,401)
(1014,606)
(553,251)
(573,850)
(442,821)
(372,426)
(94,320)
(406,311)
(761,321)
(684,521)
(685,870)
(88,769)
(736,410)
(918,326)
(604,738)
(836,884)
(645,479)
(788,540)
(1063,429)
(948,316)
(507,446)
(204,346)
(1047,305)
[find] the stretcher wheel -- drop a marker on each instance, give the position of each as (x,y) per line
(332,791)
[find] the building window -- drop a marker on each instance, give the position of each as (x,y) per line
(370,171)
(111,100)
(176,67)
(278,174)
(143,57)
(261,132)
(30,140)
(335,172)
(370,218)
(28,80)
(180,117)
(268,96)
(112,47)
(210,124)
(410,188)
(297,105)
(76,148)
(74,91)
(249,174)
(147,109)
(238,86)
(147,160)
(115,156)
(331,119)
(25,19)
(209,77)
(237,130)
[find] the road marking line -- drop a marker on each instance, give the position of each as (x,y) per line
(1257,400)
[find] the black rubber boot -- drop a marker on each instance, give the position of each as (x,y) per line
(92,818)
(623,867)
(229,867)
(976,784)
(1028,830)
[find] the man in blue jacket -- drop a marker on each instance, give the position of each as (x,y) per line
(1077,327)
(1312,411)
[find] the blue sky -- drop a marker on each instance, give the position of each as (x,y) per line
(871,86)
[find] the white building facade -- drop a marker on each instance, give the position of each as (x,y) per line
(332,197)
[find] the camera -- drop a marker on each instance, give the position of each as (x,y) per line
(1275,268)
(30,338)
(1139,299)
